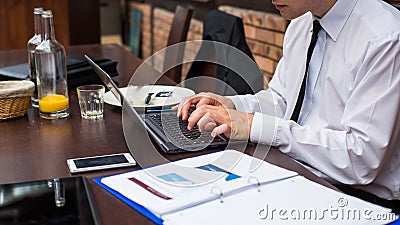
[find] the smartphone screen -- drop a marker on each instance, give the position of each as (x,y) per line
(100,161)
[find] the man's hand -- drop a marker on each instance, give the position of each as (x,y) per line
(203,98)
(215,113)
(231,123)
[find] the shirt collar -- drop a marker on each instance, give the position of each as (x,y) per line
(336,17)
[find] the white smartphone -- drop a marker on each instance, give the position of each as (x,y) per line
(100,162)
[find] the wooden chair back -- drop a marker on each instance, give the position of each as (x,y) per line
(178,33)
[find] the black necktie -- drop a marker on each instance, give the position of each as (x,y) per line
(300,99)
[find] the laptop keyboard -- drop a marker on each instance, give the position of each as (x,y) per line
(176,130)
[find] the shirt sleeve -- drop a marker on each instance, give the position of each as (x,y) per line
(354,153)
(271,101)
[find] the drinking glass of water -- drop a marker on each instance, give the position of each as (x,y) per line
(91,101)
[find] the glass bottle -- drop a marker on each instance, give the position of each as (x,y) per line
(51,72)
(33,42)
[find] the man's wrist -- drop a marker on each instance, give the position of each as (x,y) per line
(250,123)
(229,103)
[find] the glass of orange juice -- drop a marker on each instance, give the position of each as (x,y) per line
(52,87)
(54,106)
(53,97)
(51,73)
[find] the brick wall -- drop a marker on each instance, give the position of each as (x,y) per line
(264,33)
(162,20)
(195,33)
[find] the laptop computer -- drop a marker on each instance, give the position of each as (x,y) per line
(168,131)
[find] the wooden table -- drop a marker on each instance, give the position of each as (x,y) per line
(32,148)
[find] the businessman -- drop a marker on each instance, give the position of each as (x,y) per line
(335,96)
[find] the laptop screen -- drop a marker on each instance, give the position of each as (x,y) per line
(106,80)
(134,127)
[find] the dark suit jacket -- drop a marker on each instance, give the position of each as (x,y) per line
(228,29)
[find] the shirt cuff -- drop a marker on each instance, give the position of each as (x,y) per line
(244,103)
(264,129)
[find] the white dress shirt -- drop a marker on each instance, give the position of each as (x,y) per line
(349,125)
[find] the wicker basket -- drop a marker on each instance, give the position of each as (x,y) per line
(15,98)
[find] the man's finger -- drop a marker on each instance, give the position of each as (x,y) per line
(184,106)
(197,115)
(221,129)
(175,107)
(206,123)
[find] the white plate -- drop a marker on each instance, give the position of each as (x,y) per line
(137,95)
